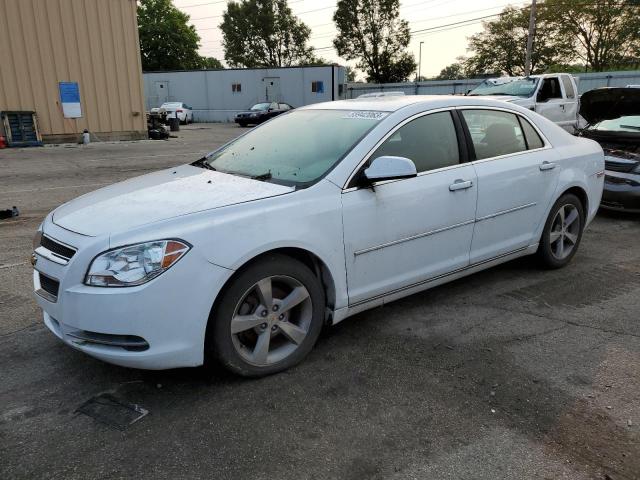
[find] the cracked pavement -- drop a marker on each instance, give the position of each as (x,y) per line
(514,372)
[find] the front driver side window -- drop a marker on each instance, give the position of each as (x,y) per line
(550,89)
(430,141)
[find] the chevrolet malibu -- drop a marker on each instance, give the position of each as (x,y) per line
(242,256)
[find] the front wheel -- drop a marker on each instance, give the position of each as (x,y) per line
(562,232)
(268,318)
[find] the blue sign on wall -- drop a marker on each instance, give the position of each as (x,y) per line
(70,99)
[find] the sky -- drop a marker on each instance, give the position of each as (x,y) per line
(442,25)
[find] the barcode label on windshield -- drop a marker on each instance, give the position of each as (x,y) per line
(361,115)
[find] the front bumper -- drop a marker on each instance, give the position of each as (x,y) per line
(621,192)
(158,325)
(247,120)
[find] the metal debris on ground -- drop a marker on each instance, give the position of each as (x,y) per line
(9,213)
(107,409)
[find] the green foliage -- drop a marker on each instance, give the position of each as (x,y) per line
(351,73)
(606,33)
(210,63)
(167,42)
(455,71)
(566,68)
(264,33)
(372,32)
(501,47)
(570,36)
(313,60)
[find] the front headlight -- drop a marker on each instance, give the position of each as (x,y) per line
(134,264)
(37,238)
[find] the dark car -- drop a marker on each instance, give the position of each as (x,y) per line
(614,122)
(261,112)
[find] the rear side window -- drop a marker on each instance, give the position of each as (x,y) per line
(568,87)
(430,141)
(494,133)
(533,139)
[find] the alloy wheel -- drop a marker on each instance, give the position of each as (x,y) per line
(565,231)
(271,320)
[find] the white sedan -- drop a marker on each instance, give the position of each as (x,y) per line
(179,110)
(332,209)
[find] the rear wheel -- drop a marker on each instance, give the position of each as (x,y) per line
(562,232)
(268,318)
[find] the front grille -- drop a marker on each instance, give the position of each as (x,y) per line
(57,248)
(49,285)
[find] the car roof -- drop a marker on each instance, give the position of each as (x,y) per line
(392,104)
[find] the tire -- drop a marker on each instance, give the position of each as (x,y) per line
(238,328)
(242,124)
(562,232)
(185,121)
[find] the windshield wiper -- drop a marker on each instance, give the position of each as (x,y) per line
(633,127)
(263,176)
(203,164)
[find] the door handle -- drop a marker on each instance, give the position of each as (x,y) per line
(460,185)
(547,166)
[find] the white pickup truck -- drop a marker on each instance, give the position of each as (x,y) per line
(553,95)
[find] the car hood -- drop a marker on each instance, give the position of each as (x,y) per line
(159,196)
(609,103)
(506,98)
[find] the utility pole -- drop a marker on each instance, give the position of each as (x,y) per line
(532,29)
(419,62)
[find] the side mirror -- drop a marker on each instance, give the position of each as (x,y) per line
(390,168)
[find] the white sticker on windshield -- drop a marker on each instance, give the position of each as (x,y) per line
(365,115)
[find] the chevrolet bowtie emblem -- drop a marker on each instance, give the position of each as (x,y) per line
(34,259)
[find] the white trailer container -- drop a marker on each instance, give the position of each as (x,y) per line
(217,95)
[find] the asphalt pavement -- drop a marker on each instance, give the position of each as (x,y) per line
(514,372)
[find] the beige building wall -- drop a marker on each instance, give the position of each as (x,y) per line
(92,42)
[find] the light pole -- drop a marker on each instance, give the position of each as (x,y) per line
(419,62)
(532,29)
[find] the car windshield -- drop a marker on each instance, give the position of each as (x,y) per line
(296,148)
(171,105)
(261,106)
(523,87)
(630,123)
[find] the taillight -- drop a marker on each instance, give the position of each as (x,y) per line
(179,110)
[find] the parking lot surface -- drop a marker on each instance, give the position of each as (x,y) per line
(515,372)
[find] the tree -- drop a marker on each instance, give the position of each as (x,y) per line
(351,73)
(372,32)
(313,60)
(501,47)
(264,33)
(166,41)
(455,71)
(210,62)
(606,33)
